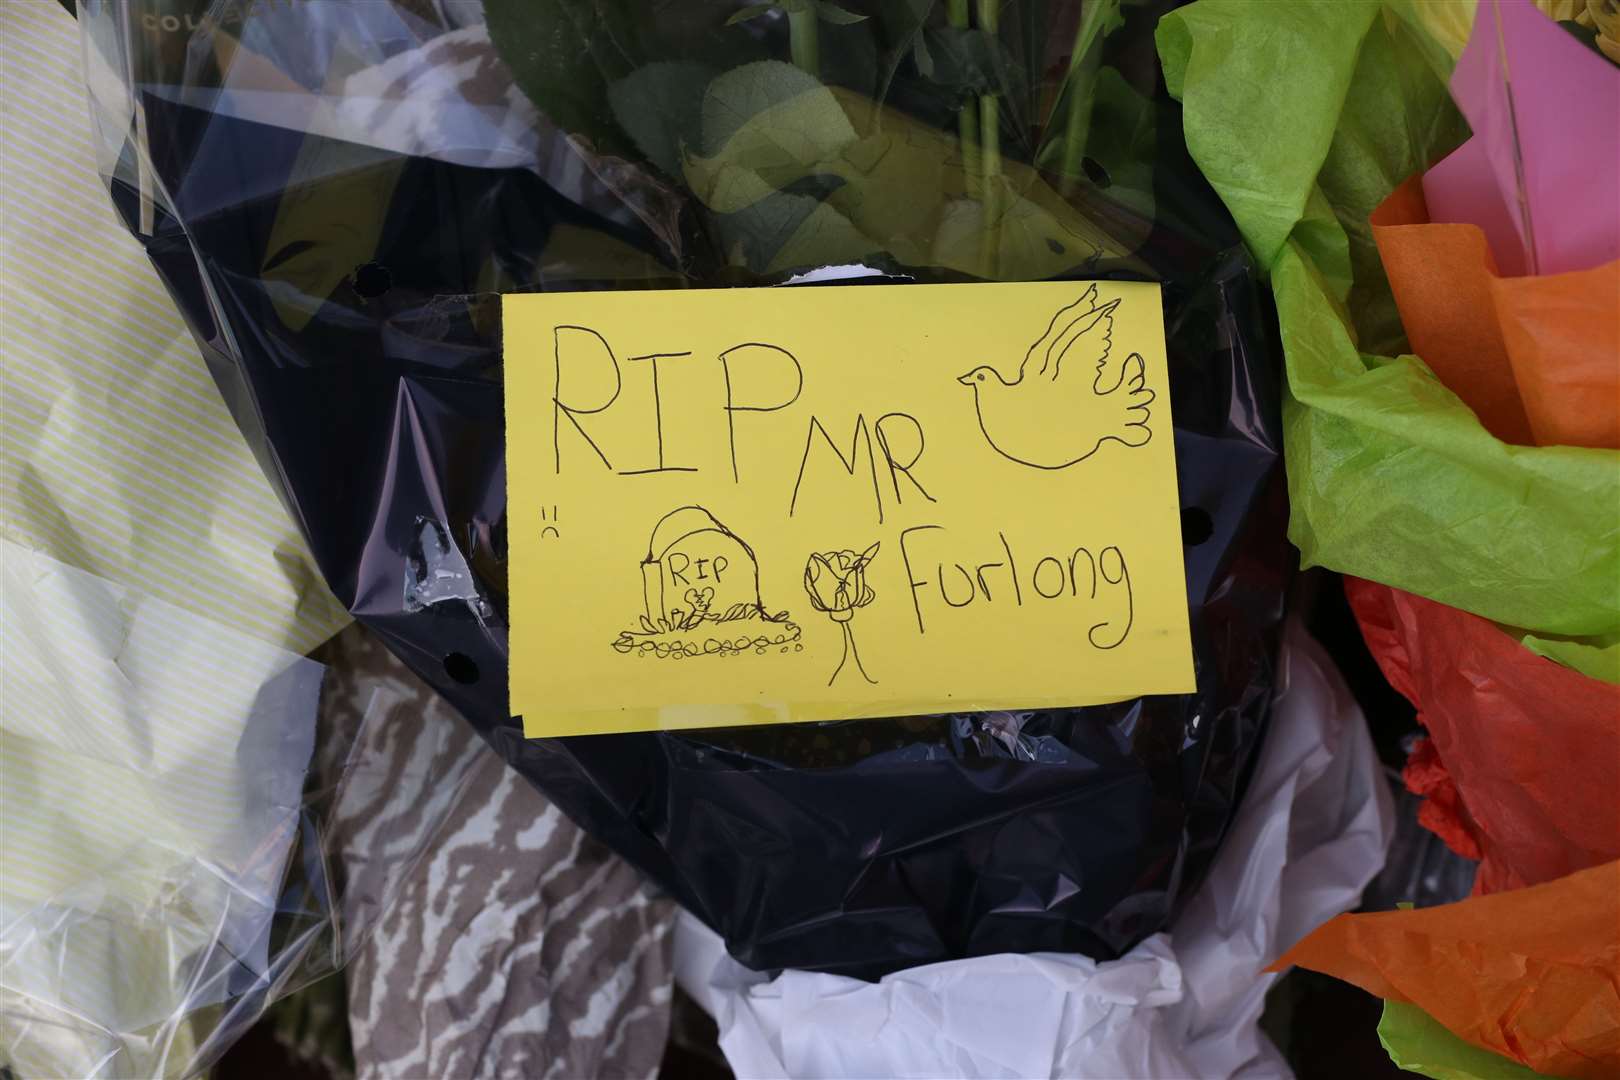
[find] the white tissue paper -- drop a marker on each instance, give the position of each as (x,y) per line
(1311,833)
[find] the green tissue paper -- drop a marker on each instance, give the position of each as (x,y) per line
(1418,1043)
(1304,116)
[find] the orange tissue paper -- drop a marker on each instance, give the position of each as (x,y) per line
(1536,358)
(1532,974)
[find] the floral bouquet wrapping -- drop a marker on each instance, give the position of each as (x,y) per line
(1442,237)
(337,194)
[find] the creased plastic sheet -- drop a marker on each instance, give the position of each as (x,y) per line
(345,295)
(1391,476)
(1419,868)
(156,718)
(189,836)
(392,78)
(153,764)
(164,871)
(117,454)
(1310,834)
(1530,974)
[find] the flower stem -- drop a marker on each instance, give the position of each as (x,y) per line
(990,182)
(804,41)
(849,651)
(844,659)
(988,13)
(967,116)
(1075,124)
(1079,88)
(967,130)
(849,641)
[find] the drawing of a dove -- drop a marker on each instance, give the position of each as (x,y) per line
(1068,398)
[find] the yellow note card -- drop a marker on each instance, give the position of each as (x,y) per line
(747,506)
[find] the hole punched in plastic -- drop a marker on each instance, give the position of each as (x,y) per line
(1196,526)
(461,667)
(372,280)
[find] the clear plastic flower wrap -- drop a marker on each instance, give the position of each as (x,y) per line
(205,836)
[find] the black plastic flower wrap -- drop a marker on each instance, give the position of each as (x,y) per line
(337,193)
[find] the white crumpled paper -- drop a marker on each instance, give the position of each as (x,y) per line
(1311,833)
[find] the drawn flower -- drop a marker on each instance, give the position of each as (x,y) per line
(836,584)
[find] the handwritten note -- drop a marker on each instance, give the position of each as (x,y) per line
(766,505)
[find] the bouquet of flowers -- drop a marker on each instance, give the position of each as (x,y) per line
(337,193)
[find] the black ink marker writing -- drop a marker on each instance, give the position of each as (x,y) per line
(658,417)
(911,579)
(700,595)
(755,352)
(1062,405)
(896,470)
(574,412)
(857,438)
(678,563)
(1012,570)
(1130,599)
(960,585)
(1035,580)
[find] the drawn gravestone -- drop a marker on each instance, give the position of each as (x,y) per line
(700,595)
(692,559)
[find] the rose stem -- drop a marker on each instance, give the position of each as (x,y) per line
(850,649)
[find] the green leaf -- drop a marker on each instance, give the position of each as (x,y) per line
(969,61)
(660,106)
(832,13)
(1069,125)
(770,103)
(563,54)
(1120,145)
(896,192)
(726,188)
(895,187)
(1030,241)
(791,232)
(765,125)
(851,57)
(752,11)
(902,22)
(576,252)
(923,58)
